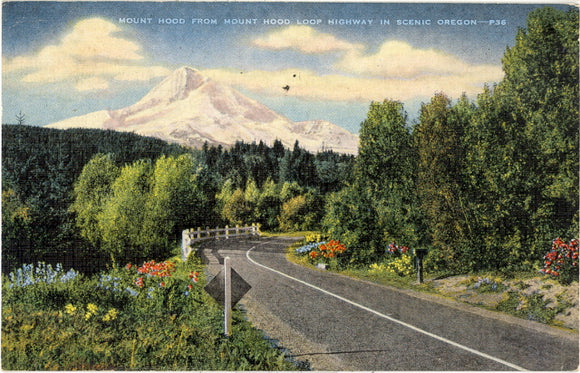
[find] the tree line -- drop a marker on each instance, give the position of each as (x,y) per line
(485,184)
(83,197)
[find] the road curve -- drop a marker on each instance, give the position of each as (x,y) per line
(364,326)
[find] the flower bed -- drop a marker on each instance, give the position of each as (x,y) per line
(155,316)
(322,253)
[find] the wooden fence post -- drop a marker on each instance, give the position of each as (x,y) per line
(185,242)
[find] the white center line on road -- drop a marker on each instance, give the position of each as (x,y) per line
(442,339)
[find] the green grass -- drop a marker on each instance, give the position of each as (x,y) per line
(95,323)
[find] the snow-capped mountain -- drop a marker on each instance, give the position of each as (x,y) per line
(189,109)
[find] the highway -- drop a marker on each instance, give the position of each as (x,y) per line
(365,326)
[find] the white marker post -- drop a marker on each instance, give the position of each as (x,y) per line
(227,297)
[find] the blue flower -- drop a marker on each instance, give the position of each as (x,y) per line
(309,247)
(30,274)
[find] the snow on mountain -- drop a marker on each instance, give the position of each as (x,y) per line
(189,109)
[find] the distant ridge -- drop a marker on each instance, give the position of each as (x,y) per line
(190,109)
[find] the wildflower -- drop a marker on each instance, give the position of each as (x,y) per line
(110,315)
(92,308)
(139,282)
(70,309)
(128,266)
(194,276)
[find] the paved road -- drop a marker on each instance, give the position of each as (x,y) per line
(374,327)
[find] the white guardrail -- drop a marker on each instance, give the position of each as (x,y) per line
(191,236)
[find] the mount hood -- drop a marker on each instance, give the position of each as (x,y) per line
(190,109)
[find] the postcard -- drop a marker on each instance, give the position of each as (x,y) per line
(395,184)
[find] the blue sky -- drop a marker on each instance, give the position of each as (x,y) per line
(63,59)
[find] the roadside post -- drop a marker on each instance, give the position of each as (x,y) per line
(228,296)
(227,288)
(419,255)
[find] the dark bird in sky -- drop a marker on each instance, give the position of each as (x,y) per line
(286,88)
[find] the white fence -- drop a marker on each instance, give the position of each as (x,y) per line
(191,236)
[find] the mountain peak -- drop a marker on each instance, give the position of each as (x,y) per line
(190,109)
(177,85)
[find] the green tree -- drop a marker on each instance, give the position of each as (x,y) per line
(541,76)
(523,147)
(268,205)
(351,217)
(91,189)
(440,182)
(123,213)
(15,231)
(385,169)
(302,212)
(236,210)
(378,206)
(175,202)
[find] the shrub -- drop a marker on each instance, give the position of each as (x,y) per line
(562,261)
(401,266)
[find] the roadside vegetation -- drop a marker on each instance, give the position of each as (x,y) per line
(489,187)
(152,316)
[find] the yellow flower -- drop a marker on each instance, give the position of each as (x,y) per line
(111,315)
(92,308)
(70,309)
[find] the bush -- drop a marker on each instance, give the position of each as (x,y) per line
(562,261)
(401,266)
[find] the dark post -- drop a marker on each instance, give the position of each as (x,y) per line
(419,255)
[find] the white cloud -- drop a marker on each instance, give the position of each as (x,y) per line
(397,59)
(304,39)
(89,56)
(338,87)
(396,70)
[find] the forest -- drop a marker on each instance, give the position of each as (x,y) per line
(81,197)
(483,184)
